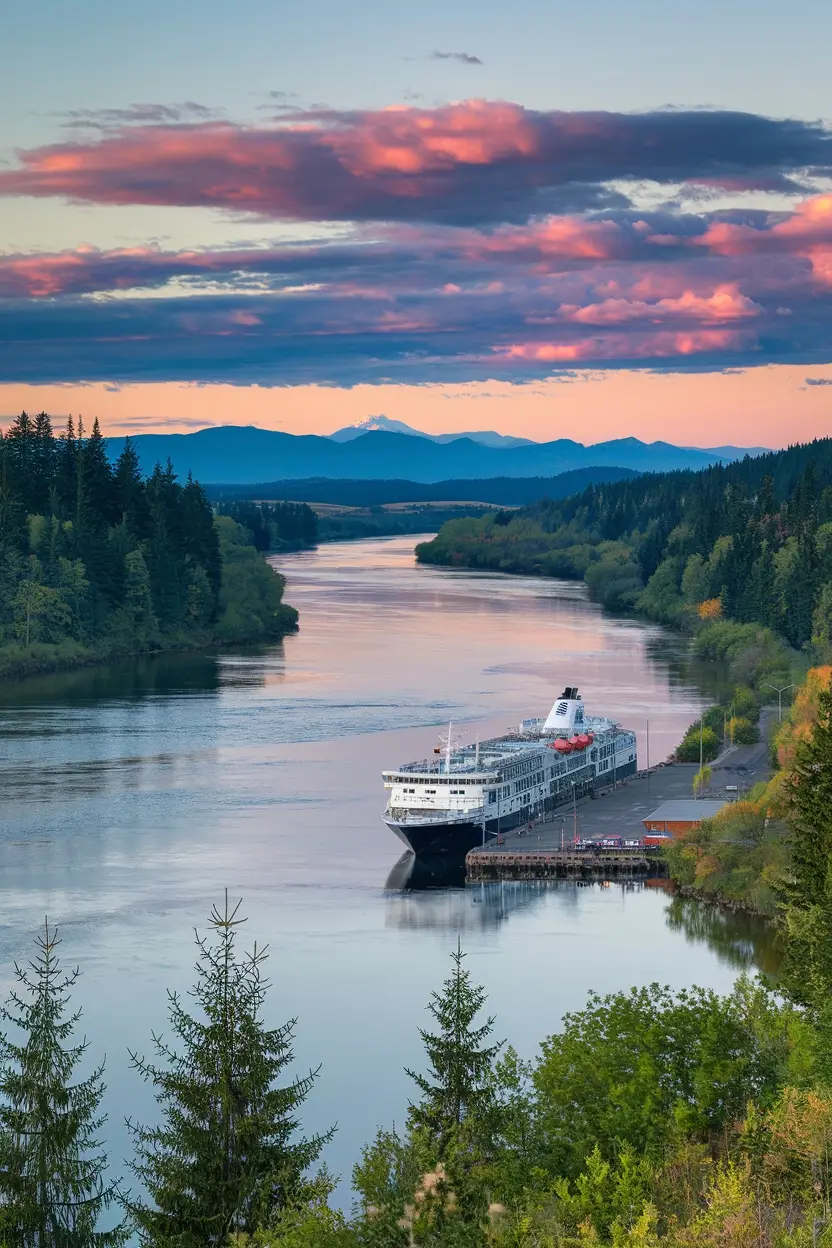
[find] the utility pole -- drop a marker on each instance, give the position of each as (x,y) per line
(779,693)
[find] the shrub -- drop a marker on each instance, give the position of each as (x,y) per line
(741,731)
(689,749)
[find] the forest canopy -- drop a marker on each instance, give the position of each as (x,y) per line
(749,541)
(98,561)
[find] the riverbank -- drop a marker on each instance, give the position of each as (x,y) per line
(742,859)
(249,609)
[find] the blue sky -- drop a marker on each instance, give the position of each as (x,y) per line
(69,66)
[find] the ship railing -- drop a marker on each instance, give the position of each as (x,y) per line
(440,816)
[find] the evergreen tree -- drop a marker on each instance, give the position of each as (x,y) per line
(809,892)
(43,464)
(66,469)
(99,487)
(224,1159)
(201,540)
(138,599)
(52,1170)
(129,491)
(458,1083)
(811,808)
(20,445)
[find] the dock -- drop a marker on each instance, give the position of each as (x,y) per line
(562,864)
(545,849)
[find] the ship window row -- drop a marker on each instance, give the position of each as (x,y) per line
(537,778)
(451,780)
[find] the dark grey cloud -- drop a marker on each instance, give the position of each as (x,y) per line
(818,381)
(464,58)
(188,111)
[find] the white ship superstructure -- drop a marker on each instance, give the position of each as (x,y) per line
(464,795)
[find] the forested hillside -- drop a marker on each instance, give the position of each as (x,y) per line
(97,561)
(274,526)
(751,541)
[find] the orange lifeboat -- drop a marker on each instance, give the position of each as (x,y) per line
(584,740)
(563,746)
(576,743)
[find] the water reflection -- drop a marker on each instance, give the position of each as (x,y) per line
(432,894)
(739,940)
(416,874)
(163,675)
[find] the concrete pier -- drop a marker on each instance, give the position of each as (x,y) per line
(544,849)
(561,864)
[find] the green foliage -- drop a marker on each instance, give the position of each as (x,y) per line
(822,623)
(97,562)
(753,534)
(809,913)
(457,1085)
(274,526)
(654,1119)
(702,779)
(251,593)
(695,745)
(311,1224)
(638,1069)
(741,856)
(614,578)
(52,1170)
(224,1159)
(741,731)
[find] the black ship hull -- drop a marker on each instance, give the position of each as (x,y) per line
(456,837)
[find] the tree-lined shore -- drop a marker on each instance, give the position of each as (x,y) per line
(749,542)
(98,562)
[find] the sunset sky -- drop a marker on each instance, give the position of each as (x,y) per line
(588,220)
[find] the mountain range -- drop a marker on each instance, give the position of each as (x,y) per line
(243,454)
(384,424)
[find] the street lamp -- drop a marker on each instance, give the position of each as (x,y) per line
(779,693)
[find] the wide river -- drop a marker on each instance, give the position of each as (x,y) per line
(131,797)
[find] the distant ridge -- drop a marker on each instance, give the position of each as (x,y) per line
(243,454)
(507,491)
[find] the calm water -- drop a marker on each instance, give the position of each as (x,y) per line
(131,797)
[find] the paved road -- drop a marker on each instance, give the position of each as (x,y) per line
(753,758)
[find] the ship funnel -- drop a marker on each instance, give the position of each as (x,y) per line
(567,715)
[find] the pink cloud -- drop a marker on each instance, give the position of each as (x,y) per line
(661,345)
(476,160)
(555,238)
(807,232)
(725,304)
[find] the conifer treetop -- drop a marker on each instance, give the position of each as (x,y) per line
(458,1080)
(53,1186)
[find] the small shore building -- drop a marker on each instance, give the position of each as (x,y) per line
(680,816)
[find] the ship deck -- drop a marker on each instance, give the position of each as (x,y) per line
(491,754)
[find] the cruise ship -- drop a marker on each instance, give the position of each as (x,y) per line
(465,795)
